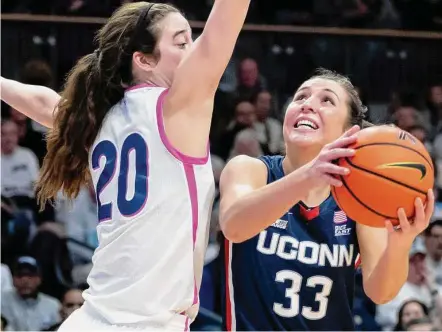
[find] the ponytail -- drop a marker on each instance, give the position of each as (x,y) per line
(87,97)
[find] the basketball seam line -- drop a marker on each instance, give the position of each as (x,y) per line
(430,163)
(385,177)
(362,203)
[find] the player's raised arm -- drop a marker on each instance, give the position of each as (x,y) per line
(199,73)
(189,104)
(36,102)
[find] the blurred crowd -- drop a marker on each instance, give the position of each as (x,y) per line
(406,14)
(46,254)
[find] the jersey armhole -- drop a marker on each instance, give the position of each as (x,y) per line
(262,159)
(185,159)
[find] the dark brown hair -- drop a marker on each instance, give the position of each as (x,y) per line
(94,85)
(355,105)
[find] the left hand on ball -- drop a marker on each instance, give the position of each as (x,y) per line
(409,230)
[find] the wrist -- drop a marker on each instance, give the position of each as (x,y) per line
(400,244)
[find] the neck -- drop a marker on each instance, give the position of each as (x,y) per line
(297,159)
(154,79)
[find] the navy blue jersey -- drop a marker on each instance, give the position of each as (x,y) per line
(298,274)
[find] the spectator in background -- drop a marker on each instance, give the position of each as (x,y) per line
(6,278)
(250,82)
(405,117)
(411,309)
(28,136)
(72,300)
(37,72)
(419,286)
(433,245)
(24,307)
(420,324)
(79,217)
(268,130)
(409,98)
(420,133)
(244,117)
(19,165)
(246,143)
(434,105)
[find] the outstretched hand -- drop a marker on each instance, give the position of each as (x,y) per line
(408,230)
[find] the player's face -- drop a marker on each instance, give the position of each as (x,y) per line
(317,115)
(174,41)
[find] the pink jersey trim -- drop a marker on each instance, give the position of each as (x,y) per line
(186,325)
(177,154)
(193,193)
(140,86)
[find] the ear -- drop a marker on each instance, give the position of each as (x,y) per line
(143,61)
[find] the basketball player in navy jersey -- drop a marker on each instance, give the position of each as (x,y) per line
(134,118)
(290,251)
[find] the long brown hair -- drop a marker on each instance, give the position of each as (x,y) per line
(94,85)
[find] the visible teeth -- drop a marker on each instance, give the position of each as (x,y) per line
(306,123)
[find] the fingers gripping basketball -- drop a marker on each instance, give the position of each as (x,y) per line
(389,170)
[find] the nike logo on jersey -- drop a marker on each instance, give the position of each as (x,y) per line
(418,166)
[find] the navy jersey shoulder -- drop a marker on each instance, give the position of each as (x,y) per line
(298,274)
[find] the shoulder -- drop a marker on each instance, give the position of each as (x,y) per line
(49,301)
(245,163)
(142,96)
(274,123)
(7,294)
(242,169)
(21,151)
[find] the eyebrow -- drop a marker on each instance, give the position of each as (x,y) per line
(326,89)
(176,34)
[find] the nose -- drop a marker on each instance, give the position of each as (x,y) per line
(307,106)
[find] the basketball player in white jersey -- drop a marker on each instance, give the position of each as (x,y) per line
(135,115)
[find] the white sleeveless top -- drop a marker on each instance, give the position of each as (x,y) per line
(154,206)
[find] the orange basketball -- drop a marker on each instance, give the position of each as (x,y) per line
(389,170)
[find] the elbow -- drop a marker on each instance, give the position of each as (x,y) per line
(230,232)
(379,296)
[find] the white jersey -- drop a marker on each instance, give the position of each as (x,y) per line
(154,205)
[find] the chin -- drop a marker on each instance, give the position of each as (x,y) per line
(306,139)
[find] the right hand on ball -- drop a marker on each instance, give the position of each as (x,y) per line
(321,170)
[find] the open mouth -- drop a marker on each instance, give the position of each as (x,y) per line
(306,124)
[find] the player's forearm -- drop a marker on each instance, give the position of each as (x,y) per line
(390,274)
(257,210)
(36,102)
(214,48)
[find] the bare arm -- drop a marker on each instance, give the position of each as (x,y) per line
(249,205)
(189,104)
(384,267)
(36,102)
(385,252)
